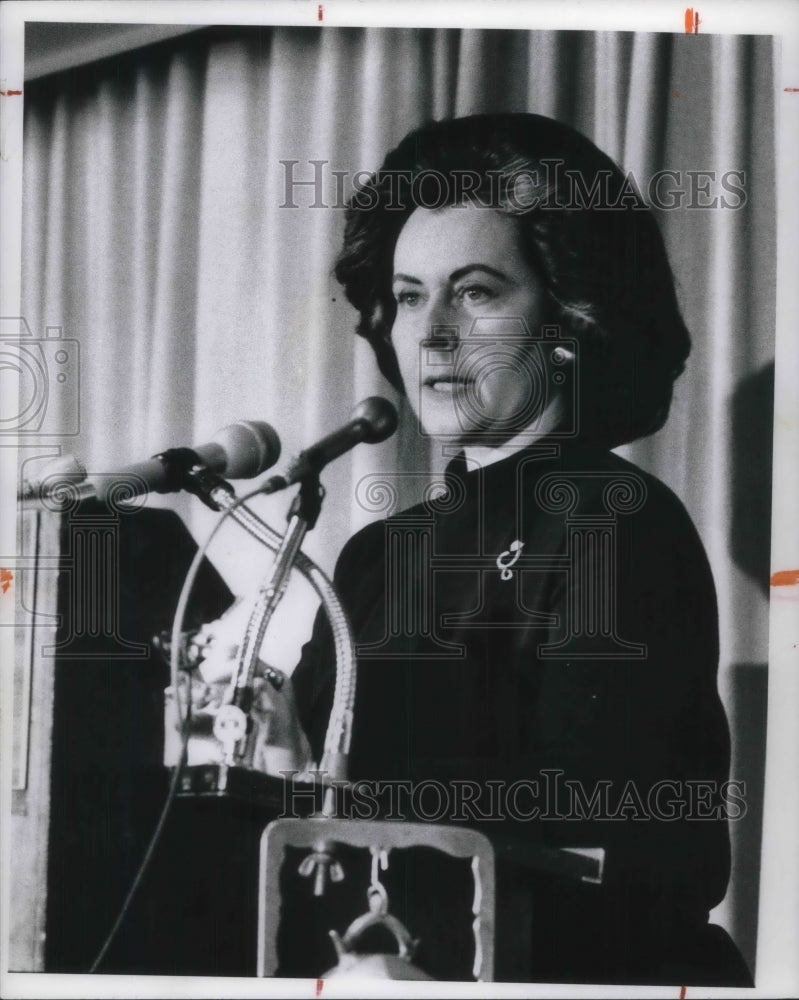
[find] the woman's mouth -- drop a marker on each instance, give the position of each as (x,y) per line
(446,384)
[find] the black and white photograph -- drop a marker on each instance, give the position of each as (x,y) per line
(399,556)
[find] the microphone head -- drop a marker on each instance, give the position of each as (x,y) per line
(379,418)
(251,447)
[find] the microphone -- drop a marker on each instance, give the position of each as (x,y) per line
(373,420)
(240,451)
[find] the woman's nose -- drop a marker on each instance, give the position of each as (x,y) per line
(443,330)
(442,337)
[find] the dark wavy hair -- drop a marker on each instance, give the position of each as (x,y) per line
(584,229)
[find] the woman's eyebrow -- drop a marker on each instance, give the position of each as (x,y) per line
(467,268)
(456,275)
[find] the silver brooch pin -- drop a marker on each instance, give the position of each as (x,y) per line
(509,558)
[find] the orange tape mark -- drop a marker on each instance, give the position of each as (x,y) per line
(320,12)
(683,992)
(320,983)
(10,93)
(785,578)
(6,579)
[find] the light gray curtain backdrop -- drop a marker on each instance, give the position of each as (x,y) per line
(156,233)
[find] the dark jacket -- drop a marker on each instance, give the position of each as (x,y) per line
(542,640)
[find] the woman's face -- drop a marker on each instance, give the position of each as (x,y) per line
(468,324)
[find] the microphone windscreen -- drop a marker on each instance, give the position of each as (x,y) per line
(251,447)
(379,417)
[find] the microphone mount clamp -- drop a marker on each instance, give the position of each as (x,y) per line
(186,470)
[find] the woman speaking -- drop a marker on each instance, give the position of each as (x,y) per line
(538,640)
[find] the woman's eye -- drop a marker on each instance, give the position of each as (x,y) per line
(406,297)
(475,294)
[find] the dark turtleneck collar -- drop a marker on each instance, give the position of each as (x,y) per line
(546,451)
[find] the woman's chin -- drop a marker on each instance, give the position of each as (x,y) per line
(453,434)
(440,417)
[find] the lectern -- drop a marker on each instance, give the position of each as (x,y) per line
(94,583)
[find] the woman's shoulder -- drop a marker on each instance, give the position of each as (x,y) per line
(361,550)
(593,486)
(605,481)
(365,550)
(371,535)
(650,522)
